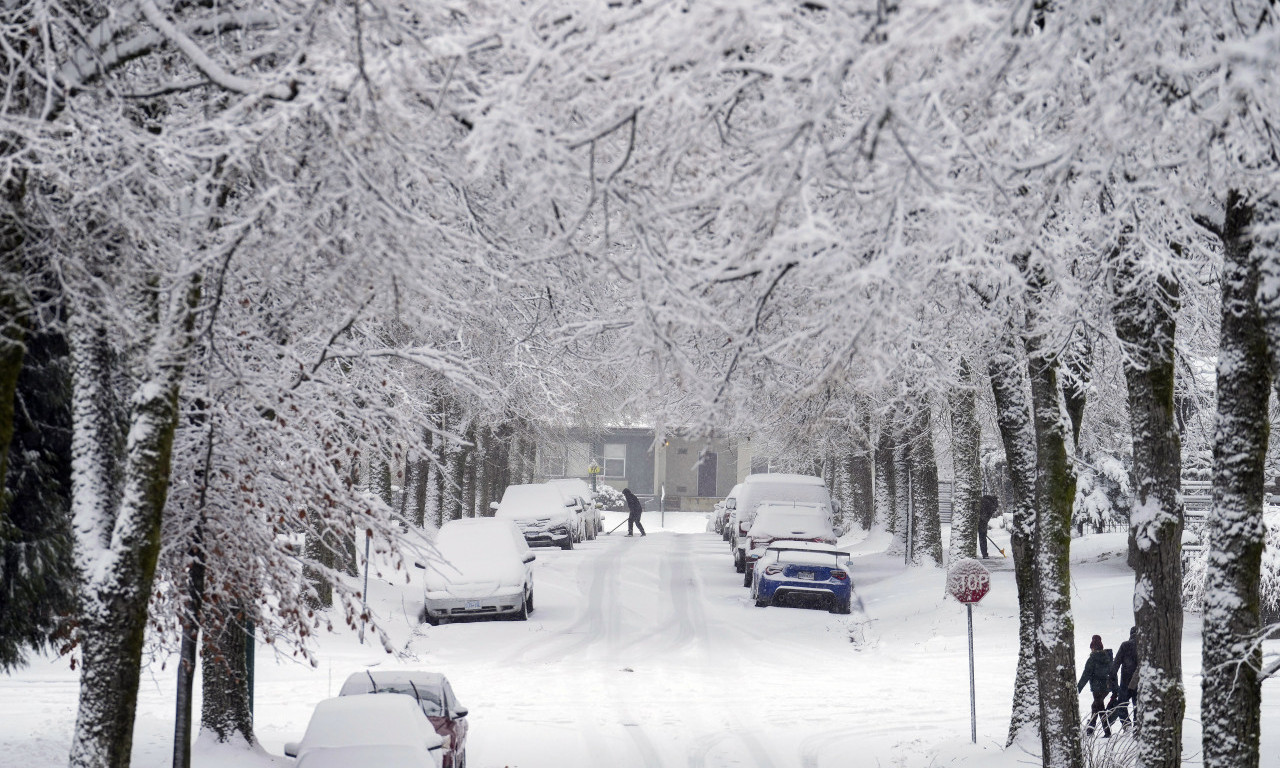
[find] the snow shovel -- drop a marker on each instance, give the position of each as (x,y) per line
(997,546)
(616,527)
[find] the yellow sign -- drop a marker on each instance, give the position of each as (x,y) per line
(594,469)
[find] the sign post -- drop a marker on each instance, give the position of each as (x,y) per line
(968,581)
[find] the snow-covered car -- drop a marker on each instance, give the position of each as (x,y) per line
(803,572)
(386,731)
(577,490)
(724,512)
(434,695)
(478,567)
(778,521)
(541,512)
(770,486)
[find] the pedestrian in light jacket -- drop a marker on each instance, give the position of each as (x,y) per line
(1097,675)
(634,508)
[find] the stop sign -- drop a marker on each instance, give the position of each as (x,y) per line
(968,580)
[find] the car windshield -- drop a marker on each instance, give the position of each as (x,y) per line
(428,698)
(790,522)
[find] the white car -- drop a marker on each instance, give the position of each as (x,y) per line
(478,567)
(386,731)
(541,512)
(577,488)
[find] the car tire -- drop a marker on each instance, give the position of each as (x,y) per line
(529,601)
(462,761)
(738,565)
(425,617)
(762,602)
(845,608)
(568,542)
(746,577)
(523,613)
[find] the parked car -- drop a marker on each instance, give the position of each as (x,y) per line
(724,512)
(577,489)
(541,512)
(804,572)
(770,486)
(386,731)
(787,521)
(434,695)
(478,567)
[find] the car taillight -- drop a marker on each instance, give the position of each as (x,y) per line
(773,570)
(839,575)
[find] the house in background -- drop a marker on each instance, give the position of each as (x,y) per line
(674,472)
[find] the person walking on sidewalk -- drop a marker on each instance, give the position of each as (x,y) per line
(634,508)
(1097,675)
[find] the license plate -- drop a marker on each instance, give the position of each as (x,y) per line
(474,605)
(806,575)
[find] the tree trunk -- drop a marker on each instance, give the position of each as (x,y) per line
(885,493)
(190,623)
(966,485)
(1145,321)
(1055,497)
(903,514)
(861,468)
(118,550)
(225,702)
(926,525)
(1232,654)
(1013,415)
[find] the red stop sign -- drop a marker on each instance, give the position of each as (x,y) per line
(968,580)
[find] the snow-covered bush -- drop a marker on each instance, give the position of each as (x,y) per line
(1102,493)
(1269,587)
(610,497)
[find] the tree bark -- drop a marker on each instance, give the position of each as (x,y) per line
(118,550)
(926,525)
(966,485)
(1145,320)
(886,493)
(1013,416)
(1232,653)
(1055,498)
(225,702)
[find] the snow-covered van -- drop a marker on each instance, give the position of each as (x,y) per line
(772,486)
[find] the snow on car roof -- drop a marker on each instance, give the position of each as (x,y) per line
(784,477)
(531,500)
(368,719)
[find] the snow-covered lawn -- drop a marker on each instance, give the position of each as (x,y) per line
(647,652)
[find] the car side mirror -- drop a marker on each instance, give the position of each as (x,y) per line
(291,749)
(731,504)
(529,558)
(460,712)
(493,505)
(570,502)
(416,564)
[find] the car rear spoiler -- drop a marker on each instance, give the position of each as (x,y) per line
(806,549)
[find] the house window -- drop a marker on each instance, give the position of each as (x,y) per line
(614,461)
(682,451)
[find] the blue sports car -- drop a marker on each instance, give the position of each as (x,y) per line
(803,572)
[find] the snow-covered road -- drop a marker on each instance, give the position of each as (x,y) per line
(647,652)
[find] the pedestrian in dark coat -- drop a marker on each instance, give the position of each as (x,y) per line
(986,510)
(1126,664)
(634,508)
(1097,675)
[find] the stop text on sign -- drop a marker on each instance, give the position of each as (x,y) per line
(968,581)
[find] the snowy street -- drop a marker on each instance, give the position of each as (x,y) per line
(647,652)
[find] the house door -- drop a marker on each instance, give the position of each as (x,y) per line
(707,475)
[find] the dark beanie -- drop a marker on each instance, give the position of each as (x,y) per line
(1096,643)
